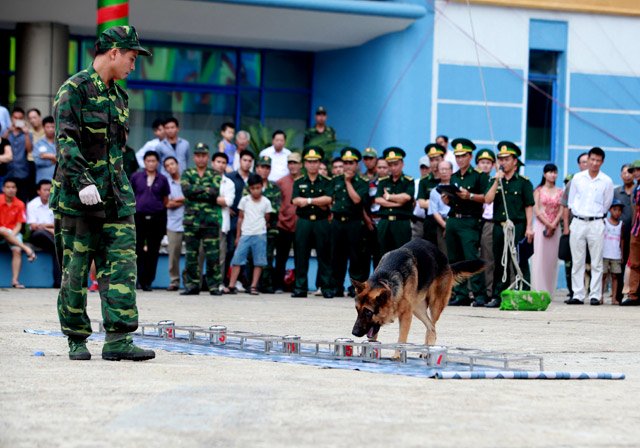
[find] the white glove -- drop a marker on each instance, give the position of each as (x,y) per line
(89,195)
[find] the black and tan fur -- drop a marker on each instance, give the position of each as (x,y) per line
(414,280)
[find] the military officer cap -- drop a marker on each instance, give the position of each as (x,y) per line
(485,153)
(264,161)
(321,111)
(506,148)
(124,37)
(201,148)
(294,157)
(462,146)
(434,150)
(350,153)
(393,153)
(313,153)
(370,152)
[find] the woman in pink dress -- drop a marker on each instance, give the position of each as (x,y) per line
(548,212)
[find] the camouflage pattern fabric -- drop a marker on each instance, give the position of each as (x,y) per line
(111,244)
(202,220)
(273,193)
(92,121)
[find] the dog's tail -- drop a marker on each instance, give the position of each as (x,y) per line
(462,270)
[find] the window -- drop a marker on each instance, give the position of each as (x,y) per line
(541,110)
(205,86)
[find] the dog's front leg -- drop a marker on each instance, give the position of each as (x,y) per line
(405,324)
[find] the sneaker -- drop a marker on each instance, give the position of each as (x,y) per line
(318,293)
(124,348)
(93,287)
(78,351)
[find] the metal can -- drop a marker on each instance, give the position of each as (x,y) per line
(437,356)
(343,348)
(218,335)
(371,350)
(166,330)
(291,344)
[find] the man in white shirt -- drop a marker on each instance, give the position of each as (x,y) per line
(225,200)
(590,197)
(152,145)
(278,155)
(40,220)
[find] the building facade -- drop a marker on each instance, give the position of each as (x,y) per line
(557,82)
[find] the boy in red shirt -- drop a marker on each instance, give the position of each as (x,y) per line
(12,216)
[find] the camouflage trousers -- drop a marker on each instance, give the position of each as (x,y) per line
(111,243)
(266,278)
(210,239)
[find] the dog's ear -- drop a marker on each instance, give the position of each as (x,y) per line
(358,286)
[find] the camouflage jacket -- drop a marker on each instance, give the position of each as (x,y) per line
(92,121)
(200,195)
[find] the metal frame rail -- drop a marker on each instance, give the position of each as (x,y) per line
(435,356)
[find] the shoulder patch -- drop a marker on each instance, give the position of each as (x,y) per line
(409,178)
(325,177)
(383,178)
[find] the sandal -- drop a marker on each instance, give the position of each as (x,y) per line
(253,291)
(230,290)
(18,285)
(31,256)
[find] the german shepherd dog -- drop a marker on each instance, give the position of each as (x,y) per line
(409,281)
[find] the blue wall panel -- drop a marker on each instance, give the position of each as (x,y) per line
(548,35)
(605,91)
(354,84)
(456,120)
(624,127)
(462,82)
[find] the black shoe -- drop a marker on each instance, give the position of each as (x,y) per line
(478,303)
(267,290)
(594,302)
(328,294)
(173,288)
(574,302)
(460,301)
(495,303)
(630,302)
(339,294)
(147,288)
(298,294)
(351,292)
(215,292)
(190,292)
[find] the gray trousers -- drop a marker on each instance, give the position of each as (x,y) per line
(174,249)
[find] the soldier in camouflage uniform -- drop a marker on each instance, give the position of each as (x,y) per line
(320,134)
(202,222)
(92,199)
(350,194)
(272,192)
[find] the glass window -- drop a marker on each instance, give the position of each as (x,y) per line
(540,119)
(249,109)
(286,110)
(543,62)
(287,70)
(250,69)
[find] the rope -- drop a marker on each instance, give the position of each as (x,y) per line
(510,250)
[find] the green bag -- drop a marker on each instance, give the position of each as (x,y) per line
(513,300)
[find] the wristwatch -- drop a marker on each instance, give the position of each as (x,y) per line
(309,201)
(471,196)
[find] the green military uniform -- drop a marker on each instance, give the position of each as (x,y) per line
(464,225)
(272,192)
(347,225)
(394,228)
(518,193)
(202,221)
(426,184)
(369,252)
(92,121)
(486,234)
(312,228)
(313,137)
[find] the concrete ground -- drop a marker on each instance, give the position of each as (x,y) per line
(182,400)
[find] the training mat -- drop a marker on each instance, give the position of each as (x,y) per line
(450,363)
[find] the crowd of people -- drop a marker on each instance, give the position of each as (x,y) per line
(236,215)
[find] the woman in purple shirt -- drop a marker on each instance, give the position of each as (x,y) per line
(152,193)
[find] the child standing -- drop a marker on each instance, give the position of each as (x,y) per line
(251,235)
(612,249)
(227,132)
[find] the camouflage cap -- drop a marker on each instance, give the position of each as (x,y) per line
(201,148)
(370,152)
(634,165)
(264,161)
(294,157)
(124,37)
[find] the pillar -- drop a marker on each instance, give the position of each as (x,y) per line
(42,53)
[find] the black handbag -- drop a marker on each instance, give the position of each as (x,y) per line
(564,249)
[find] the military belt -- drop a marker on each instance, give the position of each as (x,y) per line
(458,215)
(343,218)
(395,217)
(313,217)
